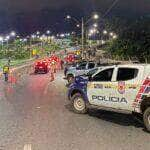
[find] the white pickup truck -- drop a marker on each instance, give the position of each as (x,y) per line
(123,88)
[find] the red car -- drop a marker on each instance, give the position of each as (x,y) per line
(41,66)
(70,58)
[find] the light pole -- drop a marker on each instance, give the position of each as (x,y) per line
(82,34)
(1,41)
(83,24)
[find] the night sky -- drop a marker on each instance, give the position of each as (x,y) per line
(27,16)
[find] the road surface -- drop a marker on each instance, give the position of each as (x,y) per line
(35,115)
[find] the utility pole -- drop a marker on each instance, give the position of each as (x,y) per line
(82,35)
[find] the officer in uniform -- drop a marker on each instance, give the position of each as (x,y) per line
(6,72)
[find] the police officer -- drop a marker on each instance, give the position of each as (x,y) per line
(6,72)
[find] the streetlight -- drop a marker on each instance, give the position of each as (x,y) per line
(8,37)
(62,35)
(111,33)
(78,25)
(13,34)
(83,23)
(115,37)
(37,32)
(105,32)
(25,40)
(95,16)
(68,17)
(33,36)
(48,32)
(95,25)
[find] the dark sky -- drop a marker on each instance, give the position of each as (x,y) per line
(27,16)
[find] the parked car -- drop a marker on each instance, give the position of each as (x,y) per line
(121,88)
(41,66)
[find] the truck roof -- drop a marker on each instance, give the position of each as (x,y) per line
(126,65)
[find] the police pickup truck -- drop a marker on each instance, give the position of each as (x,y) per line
(123,88)
(80,69)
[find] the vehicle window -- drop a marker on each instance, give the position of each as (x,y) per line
(126,74)
(93,71)
(82,66)
(91,65)
(105,75)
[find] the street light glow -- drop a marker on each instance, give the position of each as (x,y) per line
(92,31)
(68,17)
(13,34)
(62,35)
(78,25)
(95,25)
(33,36)
(37,32)
(96,16)
(1,38)
(48,32)
(105,32)
(8,37)
(111,33)
(115,37)
(25,40)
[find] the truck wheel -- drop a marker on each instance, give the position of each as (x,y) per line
(146,118)
(79,105)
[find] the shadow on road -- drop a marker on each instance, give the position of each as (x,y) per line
(117,118)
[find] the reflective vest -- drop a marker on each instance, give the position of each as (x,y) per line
(6,69)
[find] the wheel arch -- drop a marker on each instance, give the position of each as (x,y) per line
(83,94)
(70,74)
(145,104)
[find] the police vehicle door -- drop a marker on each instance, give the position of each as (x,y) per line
(99,89)
(128,81)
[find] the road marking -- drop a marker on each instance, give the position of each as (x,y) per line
(27,147)
(38,107)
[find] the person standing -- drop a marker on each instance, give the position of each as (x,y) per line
(6,72)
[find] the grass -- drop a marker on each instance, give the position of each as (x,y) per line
(13,62)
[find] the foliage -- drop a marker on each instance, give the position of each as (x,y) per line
(133,41)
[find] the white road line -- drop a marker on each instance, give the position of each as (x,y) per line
(27,147)
(38,107)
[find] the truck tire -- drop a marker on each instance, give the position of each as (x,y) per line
(146,118)
(78,103)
